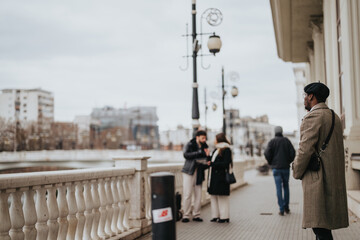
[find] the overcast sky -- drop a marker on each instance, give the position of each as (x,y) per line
(127,53)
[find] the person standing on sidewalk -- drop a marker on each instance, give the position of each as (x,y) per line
(279,154)
(325,198)
(195,152)
(218,187)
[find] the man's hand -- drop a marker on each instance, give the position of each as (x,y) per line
(207,151)
(209,163)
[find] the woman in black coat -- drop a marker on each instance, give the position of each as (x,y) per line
(218,187)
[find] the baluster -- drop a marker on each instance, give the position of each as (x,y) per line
(120,222)
(16,216)
(63,212)
(127,203)
(88,210)
(109,209)
(29,215)
(81,208)
(102,210)
(96,206)
(115,206)
(42,213)
(147,197)
(72,212)
(53,213)
(5,225)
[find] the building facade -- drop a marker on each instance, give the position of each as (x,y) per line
(139,122)
(175,139)
(248,135)
(27,105)
(325,35)
(26,116)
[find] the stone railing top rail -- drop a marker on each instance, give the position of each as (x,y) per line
(164,167)
(19,180)
(53,161)
(131,158)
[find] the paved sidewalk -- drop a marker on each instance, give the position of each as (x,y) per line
(254,215)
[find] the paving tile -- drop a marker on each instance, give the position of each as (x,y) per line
(254,216)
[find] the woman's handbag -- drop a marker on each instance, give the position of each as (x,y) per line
(229,176)
(315,159)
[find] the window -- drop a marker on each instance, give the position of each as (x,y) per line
(340,64)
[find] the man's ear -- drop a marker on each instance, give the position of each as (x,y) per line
(311,95)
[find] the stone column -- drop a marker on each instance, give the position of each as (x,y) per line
(350,35)
(312,66)
(137,191)
(300,82)
(319,53)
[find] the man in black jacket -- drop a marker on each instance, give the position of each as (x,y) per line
(279,154)
(195,152)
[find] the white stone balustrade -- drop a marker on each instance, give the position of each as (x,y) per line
(65,204)
(108,203)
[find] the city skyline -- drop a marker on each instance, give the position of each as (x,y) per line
(92,55)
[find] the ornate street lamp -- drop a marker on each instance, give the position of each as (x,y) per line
(214,17)
(233,76)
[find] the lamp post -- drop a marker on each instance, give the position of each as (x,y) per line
(206,109)
(234,92)
(195,102)
(214,18)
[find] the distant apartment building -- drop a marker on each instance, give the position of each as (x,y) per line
(247,134)
(27,105)
(84,125)
(26,116)
(63,135)
(124,127)
(175,139)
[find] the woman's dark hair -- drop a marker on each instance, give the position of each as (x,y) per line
(220,137)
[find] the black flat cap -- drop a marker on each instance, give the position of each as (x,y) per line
(320,90)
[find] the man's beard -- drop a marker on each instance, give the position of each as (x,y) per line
(307,105)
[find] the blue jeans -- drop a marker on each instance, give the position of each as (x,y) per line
(281,177)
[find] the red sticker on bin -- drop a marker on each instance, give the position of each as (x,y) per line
(162,215)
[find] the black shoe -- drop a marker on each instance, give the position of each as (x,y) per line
(287,211)
(185,220)
(214,220)
(281,213)
(223,220)
(197,219)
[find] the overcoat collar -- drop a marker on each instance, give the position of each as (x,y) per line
(321,105)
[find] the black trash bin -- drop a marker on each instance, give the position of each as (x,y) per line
(163,208)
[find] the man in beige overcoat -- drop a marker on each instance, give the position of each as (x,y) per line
(325,198)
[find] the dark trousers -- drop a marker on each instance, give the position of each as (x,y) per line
(322,234)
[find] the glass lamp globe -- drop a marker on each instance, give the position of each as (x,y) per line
(214,44)
(234,91)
